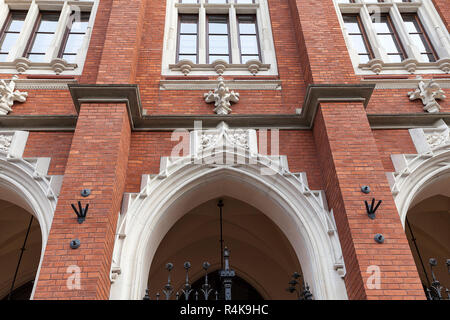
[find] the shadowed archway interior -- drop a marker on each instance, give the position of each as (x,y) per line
(260,254)
(427,229)
(14,224)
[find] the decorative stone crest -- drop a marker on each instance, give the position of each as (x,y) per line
(428,93)
(222,97)
(8,95)
(5,143)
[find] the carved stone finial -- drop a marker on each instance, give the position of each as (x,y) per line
(428,93)
(8,95)
(222,97)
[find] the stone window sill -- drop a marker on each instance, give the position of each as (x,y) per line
(220,67)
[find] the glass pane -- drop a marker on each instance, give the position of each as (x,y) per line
(358,43)
(244,1)
(16,23)
(247,28)
(3,57)
(352,27)
(74,43)
(9,41)
(249,45)
(42,43)
(218,44)
(248,58)
(188,44)
(364,58)
(424,57)
(218,25)
(382,27)
(214,58)
(217,1)
(192,58)
(419,41)
(79,26)
(188,1)
(188,27)
(49,22)
(411,24)
(395,58)
(70,58)
(388,43)
(36,57)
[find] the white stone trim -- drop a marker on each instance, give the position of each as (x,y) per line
(15,63)
(29,185)
(44,84)
(260,8)
(413,172)
(211,84)
(301,213)
(403,83)
(432,23)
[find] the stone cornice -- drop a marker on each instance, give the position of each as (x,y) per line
(129,94)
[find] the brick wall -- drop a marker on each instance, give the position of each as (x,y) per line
(97,161)
(349,159)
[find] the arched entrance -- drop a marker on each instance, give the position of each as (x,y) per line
(28,199)
(20,251)
(427,228)
(421,189)
(261,256)
(186,183)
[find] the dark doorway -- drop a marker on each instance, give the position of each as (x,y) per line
(241,289)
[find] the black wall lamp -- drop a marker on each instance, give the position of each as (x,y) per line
(372,209)
(81,213)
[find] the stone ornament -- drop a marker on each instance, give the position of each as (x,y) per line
(428,93)
(222,97)
(8,95)
(5,143)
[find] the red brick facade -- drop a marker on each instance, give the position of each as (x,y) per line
(339,154)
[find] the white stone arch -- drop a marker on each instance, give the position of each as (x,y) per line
(24,182)
(414,173)
(285,198)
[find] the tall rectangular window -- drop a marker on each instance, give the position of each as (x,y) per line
(419,37)
(218,38)
(10,32)
(74,36)
(42,36)
(358,37)
(388,38)
(248,38)
(188,38)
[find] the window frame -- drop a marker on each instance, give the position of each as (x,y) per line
(68,32)
(208,54)
(171,66)
(258,40)
(429,20)
(7,24)
(35,32)
(17,62)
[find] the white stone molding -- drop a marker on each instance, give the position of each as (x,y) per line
(219,67)
(171,67)
(191,84)
(222,98)
(380,64)
(414,171)
(16,63)
(25,182)
(44,84)
(428,93)
(444,83)
(9,94)
(183,183)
